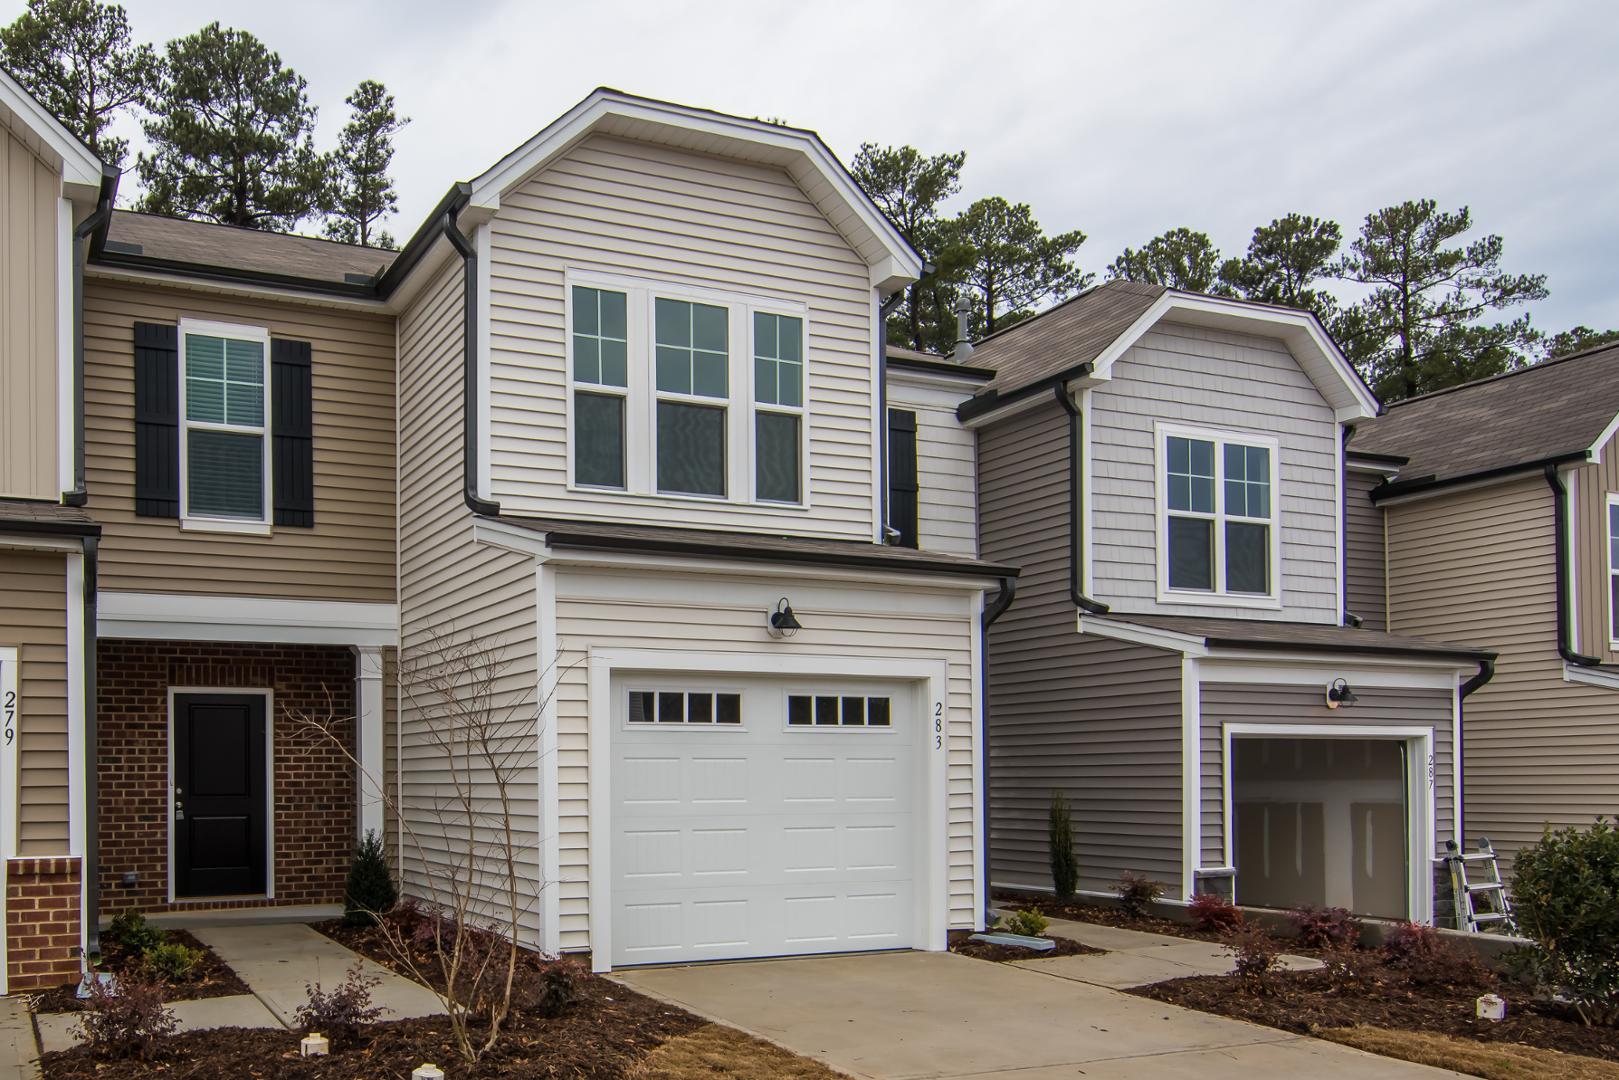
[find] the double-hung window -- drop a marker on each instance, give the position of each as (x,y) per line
(1218,517)
(601,386)
(778,409)
(693,365)
(1613,569)
(223,453)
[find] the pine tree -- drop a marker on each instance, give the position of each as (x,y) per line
(77,58)
(909,187)
(371,890)
(1284,262)
(231,136)
(1011,263)
(1180,258)
(1060,834)
(361,193)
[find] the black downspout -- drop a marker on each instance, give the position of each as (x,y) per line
(92,228)
(92,818)
(1076,496)
(469,367)
(997,607)
(886,533)
(1486,672)
(1560,524)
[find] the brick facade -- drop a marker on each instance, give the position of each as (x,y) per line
(313,782)
(42,922)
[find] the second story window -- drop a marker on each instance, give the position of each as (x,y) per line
(778,412)
(224,463)
(1613,568)
(694,385)
(1218,538)
(601,385)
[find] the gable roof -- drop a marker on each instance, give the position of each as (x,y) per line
(149,241)
(46,137)
(1559,411)
(1084,336)
(800,152)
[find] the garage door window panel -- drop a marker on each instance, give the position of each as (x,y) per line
(840,711)
(686,708)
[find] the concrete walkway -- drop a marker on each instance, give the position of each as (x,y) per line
(908,1016)
(275,960)
(1135,958)
(19,1056)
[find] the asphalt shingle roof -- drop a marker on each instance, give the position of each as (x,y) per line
(1074,332)
(203,243)
(1314,637)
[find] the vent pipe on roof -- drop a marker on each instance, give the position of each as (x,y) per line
(964,343)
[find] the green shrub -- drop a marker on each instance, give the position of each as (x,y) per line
(1027,923)
(371,891)
(134,934)
(1137,893)
(1565,888)
(171,961)
(1064,866)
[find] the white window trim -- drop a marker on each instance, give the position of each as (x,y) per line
(1609,503)
(269,791)
(202,522)
(1218,597)
(801,410)
(642,395)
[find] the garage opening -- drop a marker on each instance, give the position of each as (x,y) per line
(1324,822)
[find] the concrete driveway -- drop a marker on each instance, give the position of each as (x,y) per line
(915,1015)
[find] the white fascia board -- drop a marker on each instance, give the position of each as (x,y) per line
(901,264)
(175,617)
(81,169)
(511,538)
(1594,451)
(1338,383)
(1119,630)
(1603,677)
(751,568)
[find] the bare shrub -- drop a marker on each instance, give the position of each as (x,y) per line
(1137,893)
(343,1010)
(1257,955)
(126,1019)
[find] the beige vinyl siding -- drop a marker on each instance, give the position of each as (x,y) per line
(29,241)
(1097,719)
(1590,486)
(946,465)
(1246,703)
(348,555)
(615,206)
(456,598)
(678,613)
(33,617)
(1477,566)
(1365,560)
(1226,382)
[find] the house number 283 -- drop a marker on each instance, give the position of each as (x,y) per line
(938,725)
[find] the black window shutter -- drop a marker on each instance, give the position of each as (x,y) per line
(157,420)
(292,431)
(902,482)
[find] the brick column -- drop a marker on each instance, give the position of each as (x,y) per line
(42,922)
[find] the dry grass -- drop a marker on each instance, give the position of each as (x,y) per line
(1494,1061)
(715,1051)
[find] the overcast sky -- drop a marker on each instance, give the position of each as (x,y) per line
(1119,119)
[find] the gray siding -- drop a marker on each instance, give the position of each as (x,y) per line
(1097,719)
(946,463)
(1243,703)
(1365,555)
(1228,382)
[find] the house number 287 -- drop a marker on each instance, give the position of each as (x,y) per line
(938,725)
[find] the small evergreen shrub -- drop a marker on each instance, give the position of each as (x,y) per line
(551,989)
(1137,893)
(1256,954)
(1064,865)
(171,961)
(125,1020)
(134,934)
(1565,889)
(1322,928)
(1027,923)
(371,891)
(343,1010)
(1215,914)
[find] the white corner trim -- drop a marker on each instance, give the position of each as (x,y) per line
(548,650)
(11,718)
(1607,679)
(372,766)
(174,617)
(1339,577)
(980,767)
(65,316)
(1191,776)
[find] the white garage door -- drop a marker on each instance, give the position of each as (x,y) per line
(762,818)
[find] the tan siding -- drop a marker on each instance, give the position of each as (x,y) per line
(1242,703)
(1097,719)
(679,613)
(29,197)
(1227,382)
(946,467)
(615,206)
(456,593)
(1591,485)
(348,555)
(33,616)
(1365,561)
(1477,566)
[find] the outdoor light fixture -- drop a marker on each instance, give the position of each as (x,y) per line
(1340,694)
(782,623)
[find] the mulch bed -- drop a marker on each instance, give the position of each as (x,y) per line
(1106,915)
(986,950)
(211,978)
(1305,1002)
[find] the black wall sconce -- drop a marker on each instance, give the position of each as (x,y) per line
(782,623)
(1339,694)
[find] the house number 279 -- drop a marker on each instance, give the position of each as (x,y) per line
(10,709)
(938,725)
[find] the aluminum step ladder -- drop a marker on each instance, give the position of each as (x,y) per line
(1481,902)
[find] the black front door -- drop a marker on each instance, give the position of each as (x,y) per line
(219,795)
